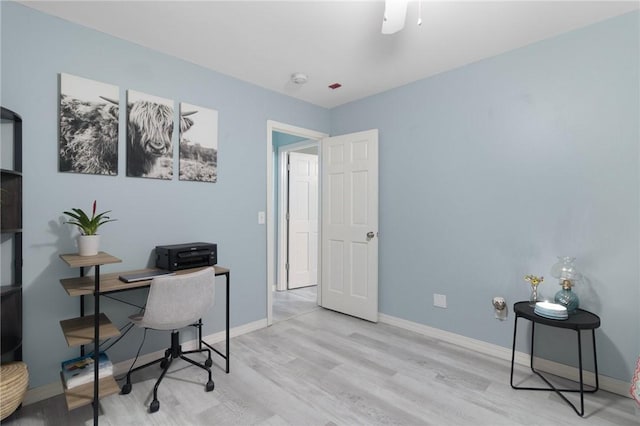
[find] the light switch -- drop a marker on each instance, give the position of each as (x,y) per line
(261,218)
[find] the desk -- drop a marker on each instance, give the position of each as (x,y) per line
(580,320)
(110,283)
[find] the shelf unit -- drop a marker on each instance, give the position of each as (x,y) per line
(11,228)
(85,329)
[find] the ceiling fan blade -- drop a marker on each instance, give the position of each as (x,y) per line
(395,12)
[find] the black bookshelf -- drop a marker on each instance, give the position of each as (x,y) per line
(11,228)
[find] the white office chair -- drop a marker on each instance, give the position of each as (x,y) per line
(175,302)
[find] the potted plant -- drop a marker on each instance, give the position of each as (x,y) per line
(89,240)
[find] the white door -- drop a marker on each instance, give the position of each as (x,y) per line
(303,220)
(350,224)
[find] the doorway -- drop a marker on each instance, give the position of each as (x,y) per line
(297,216)
(297,196)
(285,300)
(348,264)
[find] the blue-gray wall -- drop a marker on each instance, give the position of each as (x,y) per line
(35,48)
(486,173)
(489,171)
(281,139)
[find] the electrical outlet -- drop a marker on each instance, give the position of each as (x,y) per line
(261,218)
(440,300)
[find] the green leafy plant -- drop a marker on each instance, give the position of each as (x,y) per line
(88,225)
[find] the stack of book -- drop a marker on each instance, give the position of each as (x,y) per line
(78,371)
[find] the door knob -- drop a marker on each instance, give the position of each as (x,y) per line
(370,235)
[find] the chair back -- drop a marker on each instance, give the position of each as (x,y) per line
(175,301)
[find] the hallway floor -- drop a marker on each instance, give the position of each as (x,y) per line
(291,303)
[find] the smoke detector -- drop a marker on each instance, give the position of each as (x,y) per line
(299,78)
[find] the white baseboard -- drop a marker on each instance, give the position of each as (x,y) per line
(572,373)
(50,390)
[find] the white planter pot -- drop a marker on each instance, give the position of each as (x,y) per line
(88,245)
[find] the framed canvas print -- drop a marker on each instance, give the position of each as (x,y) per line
(198,143)
(88,138)
(149,133)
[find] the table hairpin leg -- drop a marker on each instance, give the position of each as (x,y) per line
(551,387)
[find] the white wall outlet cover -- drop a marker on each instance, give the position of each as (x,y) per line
(439,300)
(261,218)
(501,314)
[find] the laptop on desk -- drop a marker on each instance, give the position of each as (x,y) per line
(143,276)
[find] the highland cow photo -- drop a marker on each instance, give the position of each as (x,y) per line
(149,133)
(198,144)
(88,140)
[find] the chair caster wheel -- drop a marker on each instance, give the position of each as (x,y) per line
(155,406)
(208,362)
(163,363)
(126,389)
(210,386)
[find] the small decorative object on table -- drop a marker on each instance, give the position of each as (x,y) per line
(567,274)
(534,281)
(551,310)
(566,297)
(89,240)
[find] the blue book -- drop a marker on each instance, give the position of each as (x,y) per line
(78,371)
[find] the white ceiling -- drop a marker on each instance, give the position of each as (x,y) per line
(264,42)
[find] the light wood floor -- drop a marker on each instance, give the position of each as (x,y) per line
(324,368)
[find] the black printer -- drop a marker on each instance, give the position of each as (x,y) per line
(184,256)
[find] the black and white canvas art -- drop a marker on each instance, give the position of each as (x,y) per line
(88,140)
(149,133)
(198,143)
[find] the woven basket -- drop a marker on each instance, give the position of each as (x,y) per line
(14,378)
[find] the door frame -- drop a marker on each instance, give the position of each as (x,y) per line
(274,126)
(283,197)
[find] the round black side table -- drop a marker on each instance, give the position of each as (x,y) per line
(580,320)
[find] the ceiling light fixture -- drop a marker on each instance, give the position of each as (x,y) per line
(299,78)
(395,13)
